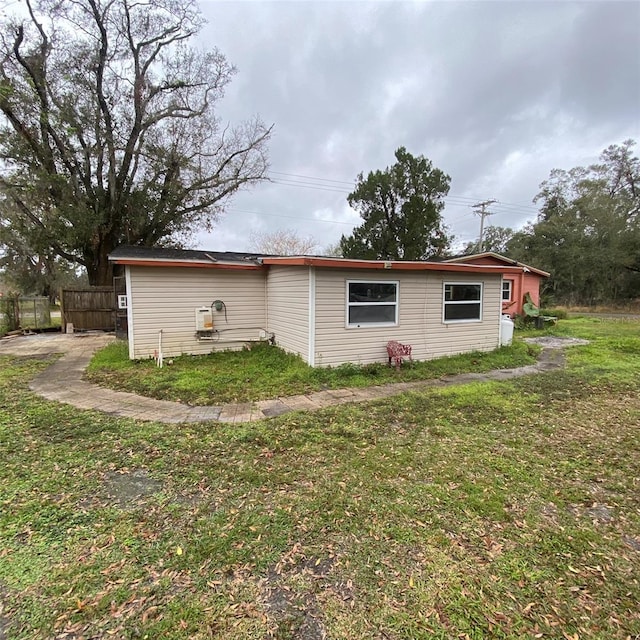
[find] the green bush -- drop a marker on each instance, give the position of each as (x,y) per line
(560,313)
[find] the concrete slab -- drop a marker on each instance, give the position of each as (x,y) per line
(300,403)
(340,393)
(204,414)
(272,408)
(240,412)
(362,394)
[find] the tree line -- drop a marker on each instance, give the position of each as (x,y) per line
(109,135)
(586,235)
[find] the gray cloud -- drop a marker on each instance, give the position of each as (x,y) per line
(494,93)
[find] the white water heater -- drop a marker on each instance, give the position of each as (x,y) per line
(204,319)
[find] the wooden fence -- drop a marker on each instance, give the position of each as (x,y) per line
(88,309)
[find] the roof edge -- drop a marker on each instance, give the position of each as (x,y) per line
(498,256)
(388,265)
(199,264)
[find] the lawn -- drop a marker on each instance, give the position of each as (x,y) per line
(488,510)
(265,372)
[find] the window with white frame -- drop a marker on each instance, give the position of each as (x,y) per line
(372,303)
(462,302)
(507,287)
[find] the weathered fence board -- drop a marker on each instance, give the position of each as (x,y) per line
(92,308)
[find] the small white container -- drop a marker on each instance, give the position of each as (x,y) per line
(506,330)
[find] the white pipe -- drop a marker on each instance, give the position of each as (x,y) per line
(160,348)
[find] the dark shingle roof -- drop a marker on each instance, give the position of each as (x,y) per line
(152,253)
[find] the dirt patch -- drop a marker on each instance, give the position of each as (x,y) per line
(296,616)
(296,613)
(131,488)
(633,542)
(550,512)
(4,620)
(556,342)
(597,513)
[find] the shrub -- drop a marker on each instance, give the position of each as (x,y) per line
(559,313)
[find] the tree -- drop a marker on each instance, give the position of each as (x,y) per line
(401,208)
(108,132)
(26,269)
(495,239)
(282,242)
(587,234)
(333,250)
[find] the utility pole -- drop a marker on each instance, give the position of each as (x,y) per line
(480,209)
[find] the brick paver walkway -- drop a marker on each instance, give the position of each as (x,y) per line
(64,382)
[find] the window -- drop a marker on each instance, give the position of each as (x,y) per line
(372,303)
(462,302)
(506,290)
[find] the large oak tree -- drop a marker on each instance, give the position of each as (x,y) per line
(108,128)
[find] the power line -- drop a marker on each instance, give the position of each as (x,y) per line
(306,185)
(331,185)
(295,175)
(452,200)
(283,215)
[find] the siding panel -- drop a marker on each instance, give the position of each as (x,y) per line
(288,308)
(420,318)
(166,298)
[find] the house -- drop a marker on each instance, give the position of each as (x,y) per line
(514,288)
(330,311)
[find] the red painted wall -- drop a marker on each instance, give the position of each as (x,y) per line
(522,284)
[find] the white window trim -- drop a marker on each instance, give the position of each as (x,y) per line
(366,325)
(445,303)
(510,283)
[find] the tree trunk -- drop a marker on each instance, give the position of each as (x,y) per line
(100,270)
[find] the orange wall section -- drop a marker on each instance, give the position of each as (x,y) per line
(521,285)
(525,282)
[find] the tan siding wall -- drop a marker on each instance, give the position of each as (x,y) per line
(166,298)
(288,308)
(420,318)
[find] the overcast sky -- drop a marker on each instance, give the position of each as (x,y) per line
(496,94)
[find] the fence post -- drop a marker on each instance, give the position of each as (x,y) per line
(62,322)
(12,311)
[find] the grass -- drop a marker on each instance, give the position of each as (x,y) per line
(267,372)
(613,351)
(495,510)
